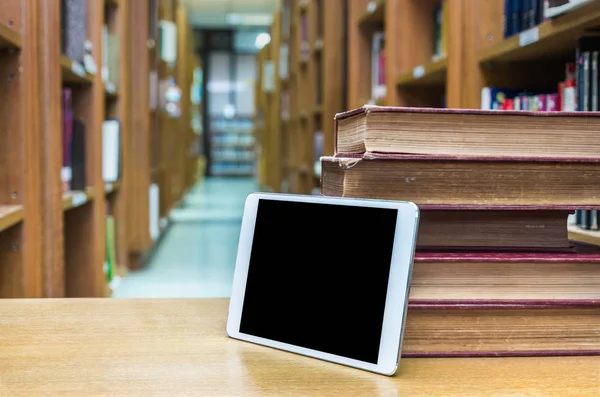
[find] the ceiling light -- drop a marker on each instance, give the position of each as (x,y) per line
(262,40)
(249,19)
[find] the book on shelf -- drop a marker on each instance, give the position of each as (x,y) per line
(283,61)
(73,174)
(111,250)
(167,41)
(111,62)
(318,152)
(67,135)
(154,206)
(78,157)
(304,44)
(520,15)
(440,31)
(378,87)
(555,8)
(111,150)
(73,26)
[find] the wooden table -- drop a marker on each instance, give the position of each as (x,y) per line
(178,347)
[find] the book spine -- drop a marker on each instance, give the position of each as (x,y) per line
(507,18)
(534,17)
(486,98)
(515,19)
(525,14)
(586,82)
(594,82)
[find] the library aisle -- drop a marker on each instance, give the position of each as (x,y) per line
(196,257)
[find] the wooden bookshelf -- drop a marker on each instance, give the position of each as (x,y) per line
(74,199)
(52,240)
(432,73)
(555,37)
(74,72)
(374,14)
(308,86)
(9,38)
(10,215)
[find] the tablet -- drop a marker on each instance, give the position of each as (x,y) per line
(324,277)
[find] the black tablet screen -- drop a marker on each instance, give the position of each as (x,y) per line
(318,276)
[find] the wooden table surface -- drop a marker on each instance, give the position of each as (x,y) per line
(178,347)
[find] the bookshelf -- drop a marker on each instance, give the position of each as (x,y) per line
(169,161)
(436,53)
(53,214)
(302,64)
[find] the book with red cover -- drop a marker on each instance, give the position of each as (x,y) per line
(467,132)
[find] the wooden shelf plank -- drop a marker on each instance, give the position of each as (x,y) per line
(111,91)
(10,215)
(9,38)
(317,47)
(585,236)
(303,6)
(374,14)
(555,37)
(434,73)
(74,199)
(74,72)
(112,187)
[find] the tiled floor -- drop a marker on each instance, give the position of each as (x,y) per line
(196,257)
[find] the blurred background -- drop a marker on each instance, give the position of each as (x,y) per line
(137,128)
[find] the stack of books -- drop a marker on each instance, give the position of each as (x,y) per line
(494,272)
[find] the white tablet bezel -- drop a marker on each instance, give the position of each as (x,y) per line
(398,285)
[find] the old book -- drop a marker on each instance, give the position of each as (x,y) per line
(465,180)
(510,276)
(468,132)
(501,228)
(455,328)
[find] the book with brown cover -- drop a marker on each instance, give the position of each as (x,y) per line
(506,228)
(464,180)
(467,132)
(493,328)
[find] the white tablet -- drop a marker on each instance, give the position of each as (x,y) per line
(325,277)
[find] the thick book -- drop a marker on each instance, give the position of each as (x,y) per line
(468,132)
(494,275)
(481,228)
(465,180)
(495,328)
